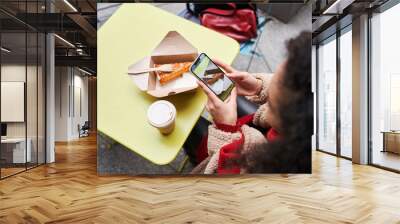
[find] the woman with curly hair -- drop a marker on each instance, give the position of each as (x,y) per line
(277,137)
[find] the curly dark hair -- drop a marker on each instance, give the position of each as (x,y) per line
(292,152)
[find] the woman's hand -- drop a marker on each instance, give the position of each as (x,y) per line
(246,84)
(221,112)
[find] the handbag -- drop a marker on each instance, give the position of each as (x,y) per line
(238,21)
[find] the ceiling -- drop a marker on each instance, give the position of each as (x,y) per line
(74,21)
(332,15)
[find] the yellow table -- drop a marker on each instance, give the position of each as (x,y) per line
(130,34)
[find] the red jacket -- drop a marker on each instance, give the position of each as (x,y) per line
(228,152)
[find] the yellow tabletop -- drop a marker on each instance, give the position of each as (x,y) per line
(130,34)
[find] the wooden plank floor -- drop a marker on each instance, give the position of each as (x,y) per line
(69,191)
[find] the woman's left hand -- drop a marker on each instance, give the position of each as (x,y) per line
(222,112)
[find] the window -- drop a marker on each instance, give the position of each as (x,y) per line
(346,92)
(22,77)
(327,95)
(385,89)
(313,88)
(334,137)
(394,101)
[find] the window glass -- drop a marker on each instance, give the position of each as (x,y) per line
(15,151)
(327,96)
(385,88)
(345,94)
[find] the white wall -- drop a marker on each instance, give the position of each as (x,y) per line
(62,81)
(81,82)
(10,73)
(16,73)
(70,83)
(33,126)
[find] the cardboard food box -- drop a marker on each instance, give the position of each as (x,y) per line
(173,48)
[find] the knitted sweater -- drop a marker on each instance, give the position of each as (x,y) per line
(225,137)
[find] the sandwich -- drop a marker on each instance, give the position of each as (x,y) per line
(177,71)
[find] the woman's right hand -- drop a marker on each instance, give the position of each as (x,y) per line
(246,84)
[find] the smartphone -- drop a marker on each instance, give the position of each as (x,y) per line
(213,76)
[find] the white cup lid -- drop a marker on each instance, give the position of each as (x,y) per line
(161,113)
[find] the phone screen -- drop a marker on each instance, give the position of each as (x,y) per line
(213,76)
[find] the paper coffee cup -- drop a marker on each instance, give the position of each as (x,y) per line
(161,115)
